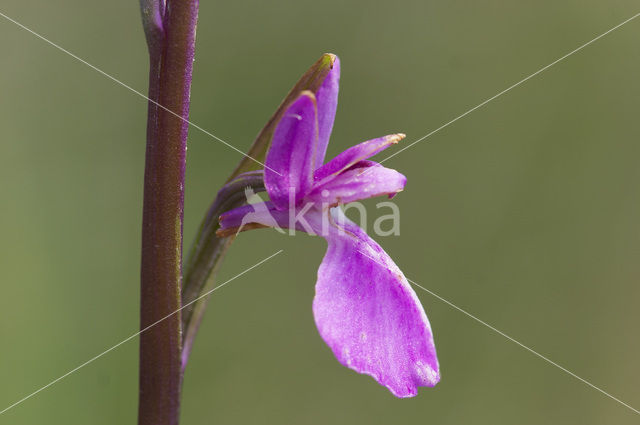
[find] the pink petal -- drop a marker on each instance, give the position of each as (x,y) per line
(366,179)
(355,154)
(291,157)
(370,317)
(327,99)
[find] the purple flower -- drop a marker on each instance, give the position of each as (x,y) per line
(364,308)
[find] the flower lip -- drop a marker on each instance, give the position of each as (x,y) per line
(369,315)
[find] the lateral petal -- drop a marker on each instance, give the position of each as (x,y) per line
(291,157)
(354,155)
(366,179)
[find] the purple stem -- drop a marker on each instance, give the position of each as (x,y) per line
(171,39)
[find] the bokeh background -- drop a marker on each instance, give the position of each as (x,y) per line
(526,212)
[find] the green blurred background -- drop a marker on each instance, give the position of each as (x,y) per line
(525,213)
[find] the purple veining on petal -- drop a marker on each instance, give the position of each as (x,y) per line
(292,152)
(366,179)
(355,154)
(327,98)
(369,315)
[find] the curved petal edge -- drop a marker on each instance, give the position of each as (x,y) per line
(369,315)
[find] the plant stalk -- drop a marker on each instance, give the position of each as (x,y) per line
(171,50)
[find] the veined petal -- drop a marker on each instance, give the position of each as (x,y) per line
(355,154)
(291,158)
(366,179)
(370,317)
(327,99)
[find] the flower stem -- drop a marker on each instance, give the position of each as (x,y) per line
(171,42)
(207,253)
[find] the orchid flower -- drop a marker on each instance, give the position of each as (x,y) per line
(364,308)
